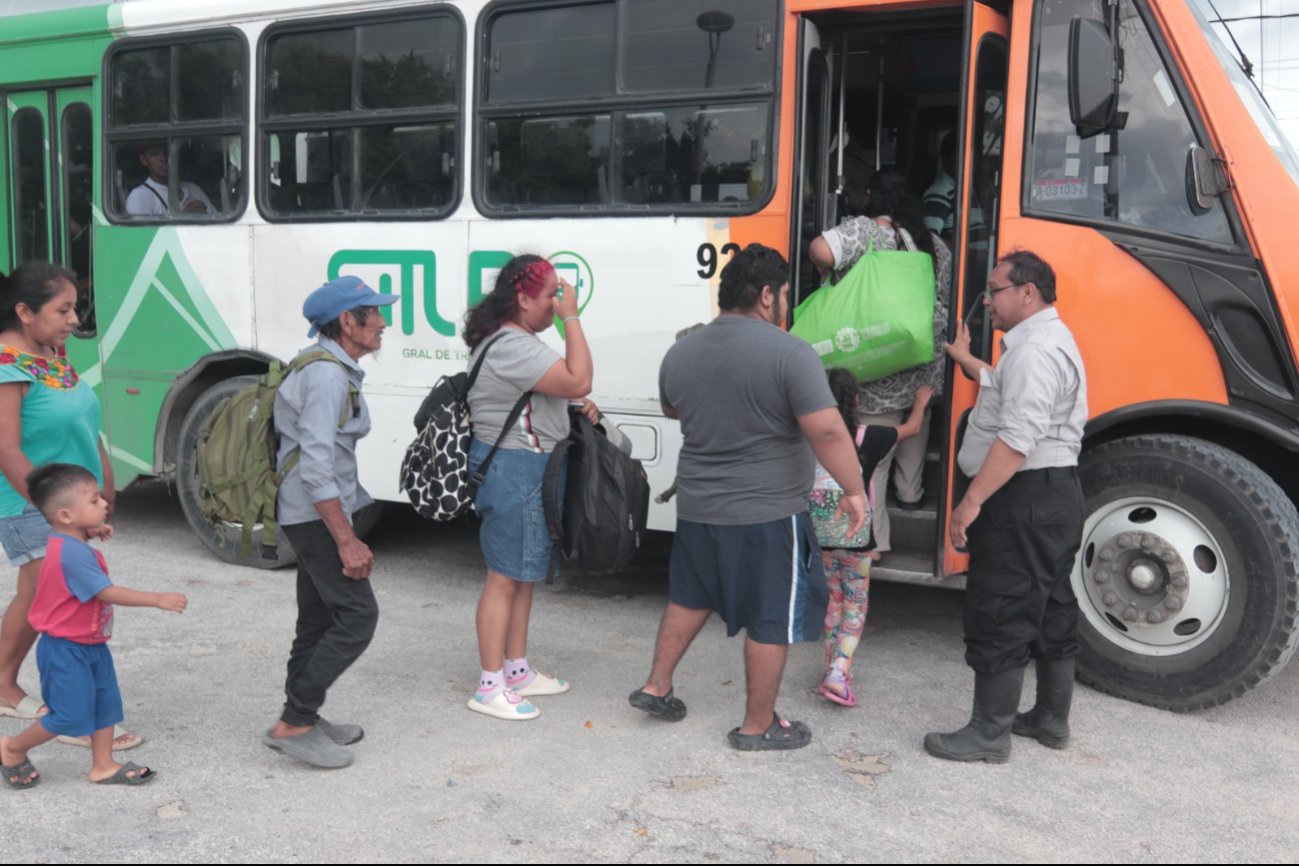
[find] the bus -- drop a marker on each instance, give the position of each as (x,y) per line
(202,166)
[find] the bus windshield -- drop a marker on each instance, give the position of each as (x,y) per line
(1254,102)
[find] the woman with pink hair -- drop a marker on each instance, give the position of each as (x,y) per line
(528,297)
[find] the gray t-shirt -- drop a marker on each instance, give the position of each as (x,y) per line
(515,364)
(739,386)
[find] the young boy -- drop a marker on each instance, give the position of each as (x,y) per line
(73,611)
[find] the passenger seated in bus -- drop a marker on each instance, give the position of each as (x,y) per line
(890,209)
(150,197)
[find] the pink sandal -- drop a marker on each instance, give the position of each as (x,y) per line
(847,699)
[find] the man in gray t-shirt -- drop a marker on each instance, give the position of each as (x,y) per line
(756,414)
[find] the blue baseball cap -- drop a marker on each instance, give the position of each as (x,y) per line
(328,302)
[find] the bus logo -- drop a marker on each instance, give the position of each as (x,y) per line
(416,274)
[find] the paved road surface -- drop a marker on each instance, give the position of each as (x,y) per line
(593,779)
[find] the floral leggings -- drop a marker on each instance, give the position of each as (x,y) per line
(848,572)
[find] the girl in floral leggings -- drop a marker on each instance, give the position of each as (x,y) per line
(847,558)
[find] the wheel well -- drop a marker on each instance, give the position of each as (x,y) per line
(188,388)
(1267,454)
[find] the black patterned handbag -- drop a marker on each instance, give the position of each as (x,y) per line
(435,471)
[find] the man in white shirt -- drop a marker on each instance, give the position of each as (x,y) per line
(150,197)
(1021,516)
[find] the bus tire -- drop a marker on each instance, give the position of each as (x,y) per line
(1186,578)
(222,541)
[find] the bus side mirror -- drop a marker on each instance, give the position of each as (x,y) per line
(1093,77)
(1206,179)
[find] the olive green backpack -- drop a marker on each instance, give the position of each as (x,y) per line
(235,457)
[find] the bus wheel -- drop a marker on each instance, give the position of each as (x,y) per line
(1186,578)
(223,541)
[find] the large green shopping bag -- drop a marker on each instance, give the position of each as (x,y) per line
(878,319)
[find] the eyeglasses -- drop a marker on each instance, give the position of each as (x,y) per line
(991,291)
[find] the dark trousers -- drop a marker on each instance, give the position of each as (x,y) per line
(1019,602)
(336,620)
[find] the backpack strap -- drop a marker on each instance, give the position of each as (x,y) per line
(477,478)
(353,406)
(550,503)
(478,365)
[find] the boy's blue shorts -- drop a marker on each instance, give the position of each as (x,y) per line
(79,685)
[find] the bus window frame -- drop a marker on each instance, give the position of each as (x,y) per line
(49,192)
(360,118)
(614,105)
(1239,244)
(138,134)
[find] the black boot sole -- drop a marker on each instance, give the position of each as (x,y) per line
(933,747)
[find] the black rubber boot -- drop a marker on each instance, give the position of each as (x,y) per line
(1048,721)
(987,736)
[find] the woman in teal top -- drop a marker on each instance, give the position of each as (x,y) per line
(47,415)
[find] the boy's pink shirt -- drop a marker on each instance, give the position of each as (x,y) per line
(55,611)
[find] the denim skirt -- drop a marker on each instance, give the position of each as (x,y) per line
(512,531)
(24,536)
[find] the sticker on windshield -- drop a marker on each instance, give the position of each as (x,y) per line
(1059,189)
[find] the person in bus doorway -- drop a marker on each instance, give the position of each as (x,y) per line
(150,197)
(337,609)
(939,200)
(756,415)
(1021,516)
(517,549)
(892,217)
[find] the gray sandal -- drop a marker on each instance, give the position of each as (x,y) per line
(23,775)
(123,775)
(343,735)
(314,747)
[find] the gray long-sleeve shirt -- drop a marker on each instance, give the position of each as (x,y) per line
(307,408)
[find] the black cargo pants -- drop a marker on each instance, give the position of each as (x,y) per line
(1019,602)
(337,617)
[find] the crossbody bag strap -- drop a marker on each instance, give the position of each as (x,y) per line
(906,238)
(478,365)
(476,479)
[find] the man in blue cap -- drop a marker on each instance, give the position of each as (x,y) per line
(320,416)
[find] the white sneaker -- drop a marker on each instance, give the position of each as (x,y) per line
(506,704)
(542,684)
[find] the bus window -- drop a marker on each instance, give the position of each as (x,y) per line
(175,129)
(1134,173)
(334,148)
(30,204)
(630,151)
(76,137)
(670,45)
(548,54)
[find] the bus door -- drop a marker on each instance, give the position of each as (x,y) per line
(49,168)
(814,200)
(983,121)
